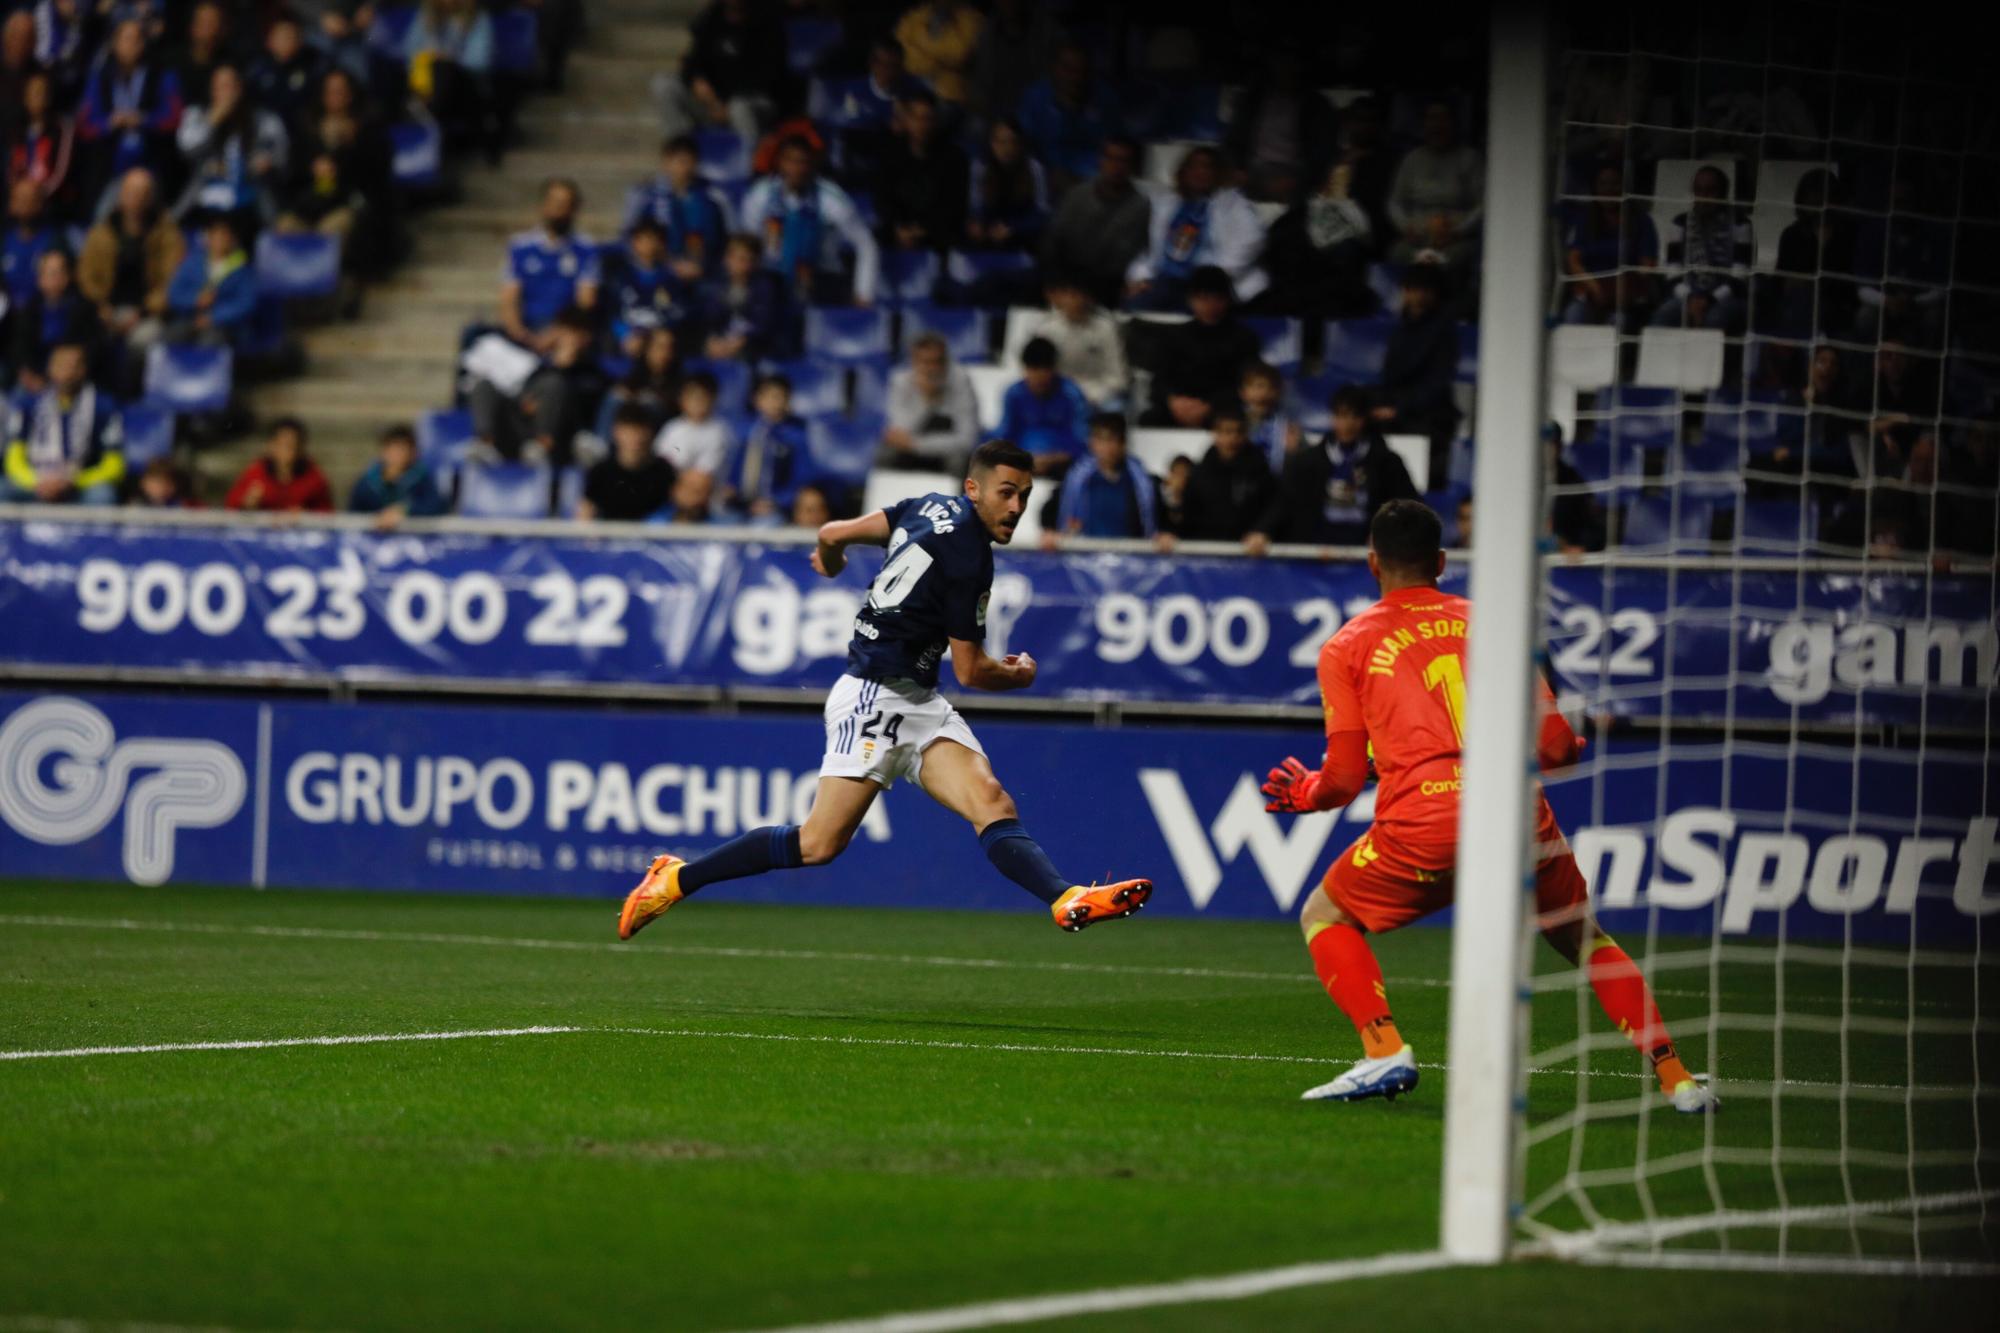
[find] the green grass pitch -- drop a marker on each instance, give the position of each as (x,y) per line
(830,1114)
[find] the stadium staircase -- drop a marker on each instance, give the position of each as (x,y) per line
(398,358)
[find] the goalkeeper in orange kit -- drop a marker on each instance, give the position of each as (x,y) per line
(1393,684)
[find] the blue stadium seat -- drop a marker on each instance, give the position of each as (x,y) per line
(569,490)
(1310,398)
(1776,527)
(988,278)
(190,379)
(264,338)
(722,155)
(817,390)
(871,389)
(732,382)
(1730,437)
(417,150)
(907,276)
(845,334)
(517,41)
(1468,354)
(149,432)
(809,41)
(966,331)
(298,266)
(391,28)
(1656,521)
(1386,281)
(845,447)
(1355,349)
(836,103)
(444,436)
(1281,339)
(505,490)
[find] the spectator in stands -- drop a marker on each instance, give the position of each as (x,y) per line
(340,125)
(632,482)
(214,292)
(653,384)
(1068,117)
(43,148)
(1282,131)
(1331,489)
(1709,246)
(322,202)
(933,417)
(1106,494)
(233,151)
(338,29)
(283,479)
(697,441)
(65,444)
(646,293)
(1463,521)
(802,218)
(1044,412)
(1905,404)
(1089,344)
(398,484)
(28,235)
(1576,518)
(286,75)
(1438,196)
(921,185)
(733,76)
(1229,490)
(164,486)
(61,27)
(57,314)
(1319,250)
(1016,45)
(1202,223)
(1271,427)
(17,63)
(766,466)
(209,44)
(693,215)
(746,313)
(811,508)
(1610,254)
(540,419)
(1815,253)
(1200,363)
(1969,509)
(1101,227)
(550,269)
(867,112)
(1171,496)
(939,38)
(130,110)
(449,51)
(128,263)
(1009,203)
(1836,425)
(689,500)
(1414,393)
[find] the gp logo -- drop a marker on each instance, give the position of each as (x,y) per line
(64,776)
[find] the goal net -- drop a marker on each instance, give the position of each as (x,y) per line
(1769,602)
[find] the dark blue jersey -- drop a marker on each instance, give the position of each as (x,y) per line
(932,588)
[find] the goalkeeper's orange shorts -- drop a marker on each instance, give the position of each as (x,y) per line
(1384,883)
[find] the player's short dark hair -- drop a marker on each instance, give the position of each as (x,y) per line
(1262,370)
(1000,453)
(773,380)
(919,97)
(647,226)
(743,240)
(1352,399)
(1407,536)
(633,414)
(1222,414)
(1111,423)
(798,141)
(1039,354)
(702,380)
(680,143)
(400,433)
(1209,280)
(283,424)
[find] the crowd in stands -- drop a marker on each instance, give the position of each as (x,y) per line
(1219,292)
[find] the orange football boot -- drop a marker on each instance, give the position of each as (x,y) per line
(659,890)
(1088,904)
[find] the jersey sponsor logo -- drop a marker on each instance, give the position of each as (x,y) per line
(64,776)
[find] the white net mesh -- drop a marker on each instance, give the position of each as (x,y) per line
(1775,361)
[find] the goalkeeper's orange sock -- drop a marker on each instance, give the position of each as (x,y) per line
(1621,990)
(1353,980)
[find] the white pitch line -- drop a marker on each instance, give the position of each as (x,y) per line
(1192,1291)
(270,1043)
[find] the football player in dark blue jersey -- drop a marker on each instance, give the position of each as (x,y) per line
(885,719)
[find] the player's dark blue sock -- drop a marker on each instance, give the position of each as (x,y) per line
(761,849)
(1018,857)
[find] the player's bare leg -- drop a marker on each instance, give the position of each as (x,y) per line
(960,779)
(838,808)
(1353,981)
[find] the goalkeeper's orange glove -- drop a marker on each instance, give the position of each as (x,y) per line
(1291,788)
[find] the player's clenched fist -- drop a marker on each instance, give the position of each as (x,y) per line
(1290,787)
(1023,666)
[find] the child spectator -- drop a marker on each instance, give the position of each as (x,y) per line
(214,292)
(1200,363)
(1331,490)
(939,37)
(56,314)
(632,482)
(550,269)
(746,313)
(66,444)
(1202,223)
(694,216)
(654,382)
(920,186)
(164,486)
(1229,489)
(283,479)
(646,293)
(398,484)
(765,468)
(696,441)
(1043,412)
(1172,500)
(933,416)
(1009,203)
(810,508)
(1088,342)
(1107,494)
(1272,429)
(128,263)
(28,234)
(1100,229)
(802,219)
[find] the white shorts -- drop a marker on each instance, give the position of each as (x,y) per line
(879,729)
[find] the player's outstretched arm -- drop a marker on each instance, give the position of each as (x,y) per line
(978,669)
(1296,789)
(830,556)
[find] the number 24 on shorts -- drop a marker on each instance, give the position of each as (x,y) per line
(887,732)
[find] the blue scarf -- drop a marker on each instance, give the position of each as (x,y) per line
(799,239)
(690,214)
(1187,236)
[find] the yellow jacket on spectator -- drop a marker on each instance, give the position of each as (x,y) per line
(938,41)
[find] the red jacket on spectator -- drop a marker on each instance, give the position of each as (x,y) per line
(306,490)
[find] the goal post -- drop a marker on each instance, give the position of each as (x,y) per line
(1490,916)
